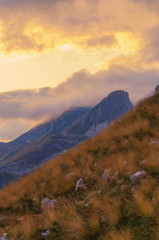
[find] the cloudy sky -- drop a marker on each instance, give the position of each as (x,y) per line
(55,54)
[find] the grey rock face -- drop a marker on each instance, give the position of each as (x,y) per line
(156,89)
(110,108)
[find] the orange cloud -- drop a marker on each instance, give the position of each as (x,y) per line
(36,26)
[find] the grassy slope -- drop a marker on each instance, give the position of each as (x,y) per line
(114,212)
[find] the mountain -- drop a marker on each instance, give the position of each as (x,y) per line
(47,128)
(51,138)
(112,107)
(156,89)
(52,127)
(23,154)
(105,188)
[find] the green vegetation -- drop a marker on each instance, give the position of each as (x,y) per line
(115,208)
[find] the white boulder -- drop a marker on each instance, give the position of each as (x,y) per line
(80,184)
(138,176)
(45,234)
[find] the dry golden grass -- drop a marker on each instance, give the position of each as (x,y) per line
(145,206)
(124,234)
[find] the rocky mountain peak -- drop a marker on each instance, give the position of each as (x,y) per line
(118,93)
(156,89)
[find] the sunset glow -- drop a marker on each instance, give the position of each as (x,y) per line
(48,44)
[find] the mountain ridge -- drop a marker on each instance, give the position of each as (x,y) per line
(111,107)
(24,156)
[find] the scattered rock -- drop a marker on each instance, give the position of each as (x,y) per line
(47,204)
(154,200)
(20,238)
(106,175)
(4,236)
(115,176)
(125,188)
(80,184)
(134,188)
(79,203)
(69,175)
(99,191)
(154,142)
(21,219)
(96,192)
(143,162)
(88,204)
(120,181)
(138,176)
(45,234)
(43,184)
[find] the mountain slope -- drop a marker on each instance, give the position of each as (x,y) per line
(53,126)
(106,188)
(112,107)
(9,150)
(156,89)
(22,158)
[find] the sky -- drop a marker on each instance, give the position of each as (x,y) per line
(55,54)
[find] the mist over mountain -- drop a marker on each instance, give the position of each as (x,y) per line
(50,138)
(112,107)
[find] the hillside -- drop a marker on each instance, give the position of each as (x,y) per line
(105,189)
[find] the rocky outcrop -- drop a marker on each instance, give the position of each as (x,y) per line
(110,108)
(156,89)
